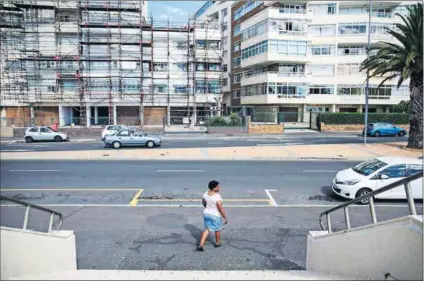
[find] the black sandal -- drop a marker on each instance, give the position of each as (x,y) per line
(217,245)
(200,249)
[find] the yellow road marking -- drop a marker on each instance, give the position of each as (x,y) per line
(198,200)
(67,189)
(136,198)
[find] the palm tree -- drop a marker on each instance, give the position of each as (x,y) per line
(403,60)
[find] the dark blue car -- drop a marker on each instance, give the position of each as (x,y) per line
(384,129)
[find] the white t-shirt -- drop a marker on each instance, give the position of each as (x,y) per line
(212,204)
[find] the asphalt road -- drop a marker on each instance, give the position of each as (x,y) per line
(171,182)
(147,215)
(201,141)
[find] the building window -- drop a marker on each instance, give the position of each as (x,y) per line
(255,30)
(224,26)
(237,46)
(235,94)
(324,9)
(321,90)
(224,40)
(291,48)
(352,28)
(323,50)
(160,88)
(160,66)
(293,9)
(180,89)
(351,90)
(288,26)
(291,70)
(322,70)
(224,81)
(351,10)
(212,86)
(382,13)
(348,69)
(237,78)
(384,92)
(254,90)
(247,7)
(224,67)
(224,13)
(254,50)
(236,30)
(237,62)
(322,30)
(381,28)
(351,51)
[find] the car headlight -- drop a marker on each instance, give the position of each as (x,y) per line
(351,182)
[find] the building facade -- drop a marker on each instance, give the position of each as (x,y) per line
(93,62)
(297,57)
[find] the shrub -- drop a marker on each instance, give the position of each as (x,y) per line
(235,120)
(359,118)
(232,120)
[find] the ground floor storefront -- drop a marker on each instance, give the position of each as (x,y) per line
(67,115)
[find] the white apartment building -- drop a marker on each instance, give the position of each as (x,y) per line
(94,62)
(299,56)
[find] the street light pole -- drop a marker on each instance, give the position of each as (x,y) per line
(367,87)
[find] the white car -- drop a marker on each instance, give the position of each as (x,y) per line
(374,174)
(112,129)
(44,134)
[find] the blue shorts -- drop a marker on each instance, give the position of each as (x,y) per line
(212,223)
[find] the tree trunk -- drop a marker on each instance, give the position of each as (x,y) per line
(415,139)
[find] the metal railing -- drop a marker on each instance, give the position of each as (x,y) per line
(406,182)
(33,206)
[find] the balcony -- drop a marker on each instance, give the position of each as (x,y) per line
(273,77)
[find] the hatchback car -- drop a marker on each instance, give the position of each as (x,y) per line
(374,174)
(44,134)
(384,129)
(131,138)
(112,129)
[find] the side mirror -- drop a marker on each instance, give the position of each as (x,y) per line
(384,177)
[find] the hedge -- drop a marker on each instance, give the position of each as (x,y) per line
(359,118)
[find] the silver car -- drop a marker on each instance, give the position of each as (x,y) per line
(44,134)
(131,138)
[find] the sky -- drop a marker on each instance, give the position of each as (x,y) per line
(175,10)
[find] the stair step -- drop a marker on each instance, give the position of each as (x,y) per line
(184,275)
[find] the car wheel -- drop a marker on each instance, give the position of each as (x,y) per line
(377,134)
(29,139)
(362,192)
(150,144)
(401,134)
(58,139)
(116,145)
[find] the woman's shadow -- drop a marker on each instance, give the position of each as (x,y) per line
(196,232)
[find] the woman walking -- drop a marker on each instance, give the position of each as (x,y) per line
(212,214)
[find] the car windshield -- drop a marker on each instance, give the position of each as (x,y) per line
(369,167)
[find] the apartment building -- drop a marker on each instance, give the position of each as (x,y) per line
(95,62)
(298,57)
(219,12)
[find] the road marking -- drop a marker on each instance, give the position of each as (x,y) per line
(66,189)
(199,206)
(180,171)
(136,198)
(35,170)
(199,200)
(319,171)
(271,199)
(15,150)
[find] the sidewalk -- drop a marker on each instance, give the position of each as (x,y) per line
(357,152)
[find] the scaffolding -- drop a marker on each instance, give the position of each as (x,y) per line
(103,55)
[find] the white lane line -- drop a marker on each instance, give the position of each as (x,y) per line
(271,199)
(319,171)
(279,144)
(180,171)
(35,170)
(199,206)
(15,150)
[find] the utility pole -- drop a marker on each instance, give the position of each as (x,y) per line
(367,87)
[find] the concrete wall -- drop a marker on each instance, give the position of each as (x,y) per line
(6,132)
(263,128)
(346,128)
(369,252)
(31,253)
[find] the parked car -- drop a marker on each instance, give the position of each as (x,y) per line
(374,174)
(131,138)
(44,134)
(112,129)
(384,129)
